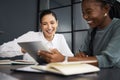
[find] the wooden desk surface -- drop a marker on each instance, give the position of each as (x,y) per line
(104,74)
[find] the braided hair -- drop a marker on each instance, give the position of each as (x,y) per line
(114,7)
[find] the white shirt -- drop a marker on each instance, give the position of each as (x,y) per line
(11,48)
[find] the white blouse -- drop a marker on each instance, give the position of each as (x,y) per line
(11,48)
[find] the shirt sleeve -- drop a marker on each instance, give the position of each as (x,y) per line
(111,55)
(10,49)
(65,50)
(85,44)
(12,45)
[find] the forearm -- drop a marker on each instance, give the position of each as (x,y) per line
(84,59)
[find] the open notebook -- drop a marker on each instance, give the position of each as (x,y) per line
(69,68)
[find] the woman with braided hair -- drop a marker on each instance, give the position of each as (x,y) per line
(103,40)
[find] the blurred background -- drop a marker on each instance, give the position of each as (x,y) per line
(20,16)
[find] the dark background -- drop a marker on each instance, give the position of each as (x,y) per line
(20,16)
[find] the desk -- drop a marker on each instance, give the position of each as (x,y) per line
(104,74)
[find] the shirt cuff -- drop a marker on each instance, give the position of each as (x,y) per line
(102,61)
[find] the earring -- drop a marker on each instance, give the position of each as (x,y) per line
(105,14)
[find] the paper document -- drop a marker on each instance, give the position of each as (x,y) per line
(17,62)
(27,69)
(4,76)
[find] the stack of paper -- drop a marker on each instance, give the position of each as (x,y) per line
(16,62)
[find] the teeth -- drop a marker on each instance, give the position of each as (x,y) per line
(89,21)
(49,31)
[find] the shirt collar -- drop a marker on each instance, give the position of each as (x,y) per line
(45,40)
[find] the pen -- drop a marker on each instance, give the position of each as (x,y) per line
(80,48)
(82,51)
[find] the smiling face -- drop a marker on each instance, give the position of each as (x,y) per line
(49,26)
(94,13)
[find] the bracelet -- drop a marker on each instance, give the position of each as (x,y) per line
(66,59)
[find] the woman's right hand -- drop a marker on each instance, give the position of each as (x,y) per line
(23,51)
(53,56)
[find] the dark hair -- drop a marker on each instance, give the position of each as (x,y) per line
(114,7)
(46,12)
(115,10)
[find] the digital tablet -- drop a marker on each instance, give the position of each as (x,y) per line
(33,47)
